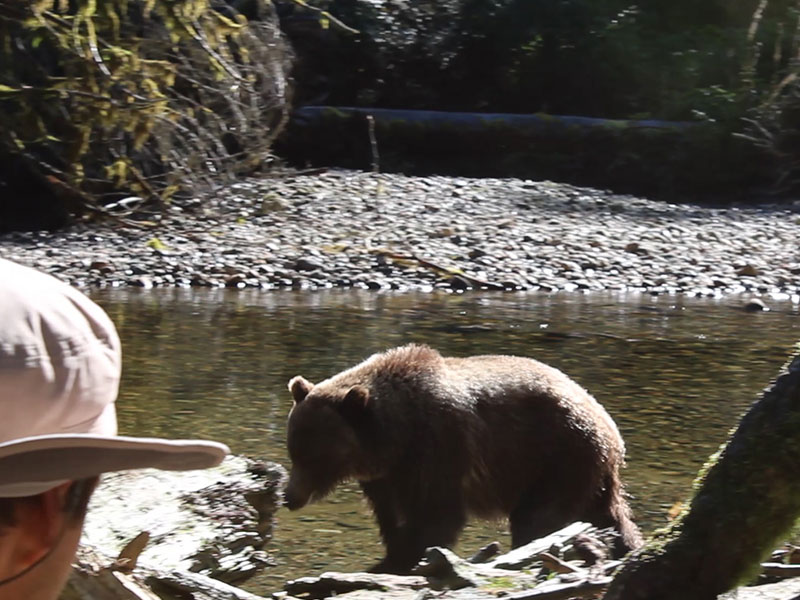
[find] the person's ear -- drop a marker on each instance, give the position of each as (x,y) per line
(39,526)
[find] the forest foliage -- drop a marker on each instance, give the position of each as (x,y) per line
(729,66)
(109,104)
(102,100)
(603,58)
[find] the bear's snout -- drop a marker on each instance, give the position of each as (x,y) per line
(293,501)
(295,496)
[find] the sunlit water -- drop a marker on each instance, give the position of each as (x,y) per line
(674,373)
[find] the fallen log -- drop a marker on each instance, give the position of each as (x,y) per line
(469,280)
(446,570)
(772,569)
(309,114)
(541,567)
(333,583)
(563,591)
(183,584)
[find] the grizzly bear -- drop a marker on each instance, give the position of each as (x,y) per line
(432,440)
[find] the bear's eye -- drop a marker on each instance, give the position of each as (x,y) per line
(322,461)
(322,445)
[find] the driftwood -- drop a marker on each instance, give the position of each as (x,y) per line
(92,579)
(445,570)
(456,274)
(563,591)
(545,576)
(524,556)
(771,569)
(308,114)
(442,575)
(555,564)
(330,584)
(184,584)
(543,570)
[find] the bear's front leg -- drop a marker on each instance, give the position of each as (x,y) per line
(382,501)
(408,529)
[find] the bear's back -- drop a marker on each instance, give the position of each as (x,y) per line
(535,424)
(500,391)
(516,383)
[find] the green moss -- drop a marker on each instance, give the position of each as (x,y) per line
(499,583)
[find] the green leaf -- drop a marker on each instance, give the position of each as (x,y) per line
(157,244)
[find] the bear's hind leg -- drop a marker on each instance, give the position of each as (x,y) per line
(615,512)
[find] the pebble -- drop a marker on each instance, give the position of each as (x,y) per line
(394,232)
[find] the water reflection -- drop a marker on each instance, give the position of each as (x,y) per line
(674,373)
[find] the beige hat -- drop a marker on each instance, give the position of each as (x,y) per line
(60,366)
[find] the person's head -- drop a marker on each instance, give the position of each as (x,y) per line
(60,364)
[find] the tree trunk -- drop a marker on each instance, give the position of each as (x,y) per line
(746,497)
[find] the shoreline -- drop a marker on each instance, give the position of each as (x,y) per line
(346,229)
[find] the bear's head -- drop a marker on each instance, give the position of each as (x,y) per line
(323,438)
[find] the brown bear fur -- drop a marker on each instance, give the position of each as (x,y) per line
(432,440)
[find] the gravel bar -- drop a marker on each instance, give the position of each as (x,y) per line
(351,229)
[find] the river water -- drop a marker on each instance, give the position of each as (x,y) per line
(675,373)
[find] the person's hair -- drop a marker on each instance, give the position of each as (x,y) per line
(75,505)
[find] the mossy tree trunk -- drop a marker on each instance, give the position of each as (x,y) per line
(745,499)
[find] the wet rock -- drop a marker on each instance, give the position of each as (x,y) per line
(102,266)
(307,264)
(143,282)
(755,305)
(215,522)
(459,283)
(747,271)
(237,280)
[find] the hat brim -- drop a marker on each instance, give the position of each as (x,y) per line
(33,465)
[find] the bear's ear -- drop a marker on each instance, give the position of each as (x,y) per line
(355,400)
(299,386)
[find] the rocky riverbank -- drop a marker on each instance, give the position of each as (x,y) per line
(392,232)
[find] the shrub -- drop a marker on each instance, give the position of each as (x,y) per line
(103,100)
